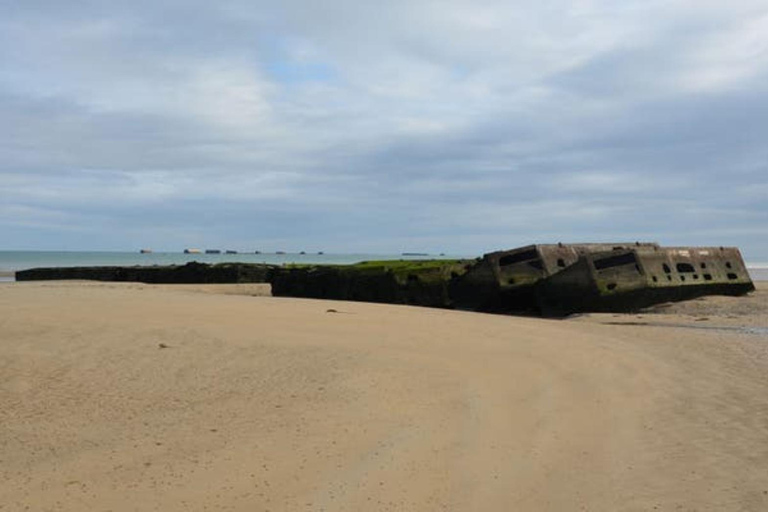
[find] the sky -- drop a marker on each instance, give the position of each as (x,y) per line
(353,126)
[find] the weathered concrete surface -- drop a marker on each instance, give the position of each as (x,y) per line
(505,281)
(632,279)
(421,283)
(192,272)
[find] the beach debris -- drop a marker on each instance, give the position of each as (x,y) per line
(163,345)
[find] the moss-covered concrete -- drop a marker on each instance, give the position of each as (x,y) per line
(423,282)
(192,272)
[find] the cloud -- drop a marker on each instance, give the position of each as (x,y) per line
(352,126)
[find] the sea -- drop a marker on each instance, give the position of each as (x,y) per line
(12,261)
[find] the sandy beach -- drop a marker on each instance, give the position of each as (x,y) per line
(127,397)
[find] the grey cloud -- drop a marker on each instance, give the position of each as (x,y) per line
(453,127)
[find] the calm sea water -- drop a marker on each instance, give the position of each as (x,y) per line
(758,271)
(11,261)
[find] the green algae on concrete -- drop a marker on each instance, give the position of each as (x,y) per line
(416,282)
(190,273)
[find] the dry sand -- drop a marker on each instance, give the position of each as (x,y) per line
(132,397)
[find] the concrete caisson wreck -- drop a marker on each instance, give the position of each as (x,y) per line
(561,279)
(633,278)
(506,281)
(548,279)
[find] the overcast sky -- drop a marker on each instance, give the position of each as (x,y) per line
(347,126)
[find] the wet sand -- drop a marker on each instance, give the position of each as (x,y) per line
(133,397)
